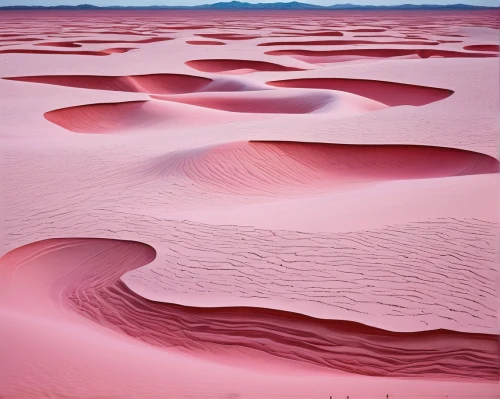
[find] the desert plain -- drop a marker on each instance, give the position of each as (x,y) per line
(262,205)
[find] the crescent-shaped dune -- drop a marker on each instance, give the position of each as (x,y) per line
(287,168)
(313,56)
(388,93)
(159,83)
(483,47)
(29,51)
(273,101)
(232,65)
(82,275)
(134,116)
(143,41)
(227,36)
(306,34)
(102,118)
(205,43)
(347,43)
(58,44)
(118,50)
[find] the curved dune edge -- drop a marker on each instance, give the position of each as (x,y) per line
(28,51)
(307,34)
(101,118)
(483,47)
(227,36)
(234,65)
(280,168)
(136,117)
(313,56)
(82,275)
(160,83)
(205,43)
(274,102)
(58,44)
(348,43)
(388,93)
(142,41)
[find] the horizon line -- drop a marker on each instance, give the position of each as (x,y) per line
(208,6)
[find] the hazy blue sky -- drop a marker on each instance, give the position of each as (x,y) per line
(194,2)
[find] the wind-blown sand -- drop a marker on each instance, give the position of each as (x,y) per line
(249,205)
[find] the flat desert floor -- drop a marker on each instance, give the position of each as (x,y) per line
(249,205)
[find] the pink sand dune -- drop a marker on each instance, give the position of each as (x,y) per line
(230,65)
(347,43)
(227,36)
(58,44)
(102,118)
(305,34)
(102,41)
(205,43)
(82,52)
(388,93)
(159,83)
(275,102)
(82,276)
(135,117)
(287,168)
(118,50)
(313,56)
(483,47)
(22,39)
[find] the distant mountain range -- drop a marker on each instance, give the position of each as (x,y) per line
(238,5)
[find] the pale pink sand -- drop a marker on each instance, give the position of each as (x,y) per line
(279,186)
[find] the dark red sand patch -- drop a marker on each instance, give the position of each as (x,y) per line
(347,42)
(483,47)
(228,65)
(205,43)
(388,93)
(153,83)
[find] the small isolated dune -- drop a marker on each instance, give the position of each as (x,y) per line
(135,117)
(227,36)
(161,83)
(205,43)
(388,93)
(98,118)
(483,47)
(58,44)
(306,34)
(105,117)
(30,51)
(280,168)
(265,102)
(326,56)
(143,41)
(118,50)
(237,66)
(348,43)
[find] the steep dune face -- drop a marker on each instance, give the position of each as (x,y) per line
(161,83)
(348,43)
(58,44)
(266,102)
(233,65)
(205,43)
(227,36)
(55,52)
(327,56)
(483,47)
(102,118)
(388,93)
(285,168)
(82,275)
